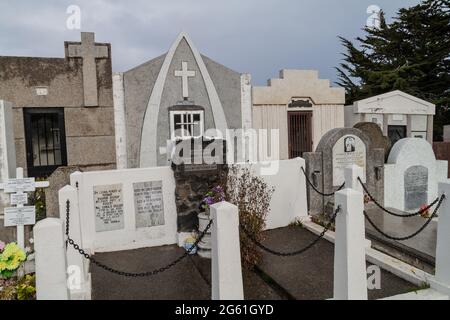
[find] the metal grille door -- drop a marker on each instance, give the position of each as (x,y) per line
(300,133)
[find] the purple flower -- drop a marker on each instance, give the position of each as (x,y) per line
(2,245)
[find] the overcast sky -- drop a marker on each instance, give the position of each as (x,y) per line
(252,36)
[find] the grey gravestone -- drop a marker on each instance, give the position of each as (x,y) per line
(148,203)
(57,180)
(337,149)
(108,202)
(194,180)
(416,187)
(375,135)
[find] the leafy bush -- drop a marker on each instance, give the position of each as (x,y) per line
(26,288)
(23,289)
(11,257)
(252,196)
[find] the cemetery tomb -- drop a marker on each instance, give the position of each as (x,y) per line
(412,174)
(398,114)
(178,95)
(301,106)
(338,149)
(63,106)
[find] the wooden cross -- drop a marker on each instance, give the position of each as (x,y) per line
(89,51)
(184,73)
(17,188)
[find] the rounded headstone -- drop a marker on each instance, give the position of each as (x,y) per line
(374,133)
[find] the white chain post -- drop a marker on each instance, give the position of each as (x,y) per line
(350,279)
(226,270)
(441,281)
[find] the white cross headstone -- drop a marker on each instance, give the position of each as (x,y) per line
(185,74)
(20,215)
(89,51)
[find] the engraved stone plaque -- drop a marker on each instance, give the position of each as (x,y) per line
(348,150)
(148,204)
(108,202)
(416,187)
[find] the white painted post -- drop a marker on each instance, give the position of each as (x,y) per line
(80,284)
(50,257)
(350,279)
(226,253)
(351,181)
(119,120)
(441,280)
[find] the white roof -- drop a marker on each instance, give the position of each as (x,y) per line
(395,102)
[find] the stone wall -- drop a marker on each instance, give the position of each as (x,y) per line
(90,135)
(193,181)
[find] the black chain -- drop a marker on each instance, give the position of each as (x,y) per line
(289,254)
(415,233)
(130,274)
(319,192)
(405,214)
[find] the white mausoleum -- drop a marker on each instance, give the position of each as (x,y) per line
(400,115)
(303,108)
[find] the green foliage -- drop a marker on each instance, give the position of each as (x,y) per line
(26,288)
(23,289)
(252,197)
(412,54)
(11,258)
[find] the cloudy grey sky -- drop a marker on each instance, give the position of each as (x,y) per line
(253,36)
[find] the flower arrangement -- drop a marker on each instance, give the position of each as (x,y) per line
(424,211)
(11,257)
(215,195)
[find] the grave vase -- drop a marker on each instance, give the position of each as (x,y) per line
(204,246)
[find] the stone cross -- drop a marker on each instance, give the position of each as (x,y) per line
(89,51)
(184,73)
(17,188)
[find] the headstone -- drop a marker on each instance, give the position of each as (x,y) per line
(108,202)
(148,204)
(57,180)
(416,187)
(375,135)
(338,149)
(412,174)
(7,163)
(195,174)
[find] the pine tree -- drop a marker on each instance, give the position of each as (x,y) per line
(412,54)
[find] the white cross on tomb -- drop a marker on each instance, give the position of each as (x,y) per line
(184,73)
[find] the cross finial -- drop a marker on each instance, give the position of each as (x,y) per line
(184,73)
(89,51)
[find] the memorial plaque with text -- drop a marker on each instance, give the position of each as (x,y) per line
(416,187)
(348,150)
(108,202)
(148,204)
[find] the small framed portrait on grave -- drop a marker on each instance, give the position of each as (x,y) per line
(349,144)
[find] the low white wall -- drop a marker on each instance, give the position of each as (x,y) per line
(289,198)
(129,237)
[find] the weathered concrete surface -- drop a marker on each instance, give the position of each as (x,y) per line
(189,280)
(422,246)
(183,281)
(309,276)
(254,287)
